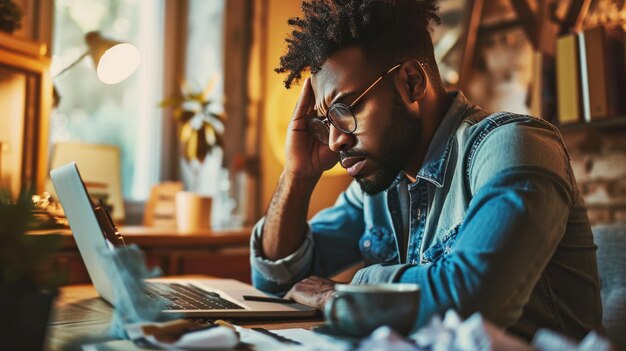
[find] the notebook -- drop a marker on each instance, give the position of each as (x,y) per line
(212,298)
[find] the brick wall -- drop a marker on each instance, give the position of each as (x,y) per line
(599,163)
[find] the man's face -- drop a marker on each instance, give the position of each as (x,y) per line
(387,133)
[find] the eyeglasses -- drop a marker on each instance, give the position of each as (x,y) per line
(339,115)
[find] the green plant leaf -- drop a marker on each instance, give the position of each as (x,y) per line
(196,144)
(23,257)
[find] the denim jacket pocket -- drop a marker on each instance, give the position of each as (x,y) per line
(378,245)
(442,247)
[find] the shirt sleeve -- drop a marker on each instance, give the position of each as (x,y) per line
(330,245)
(380,273)
(522,194)
(283,270)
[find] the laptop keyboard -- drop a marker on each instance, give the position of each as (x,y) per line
(189,297)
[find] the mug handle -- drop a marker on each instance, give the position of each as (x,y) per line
(330,312)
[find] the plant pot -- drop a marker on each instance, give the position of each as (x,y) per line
(24,319)
(193,212)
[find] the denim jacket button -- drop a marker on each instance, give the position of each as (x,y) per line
(367,243)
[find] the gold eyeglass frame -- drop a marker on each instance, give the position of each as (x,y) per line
(313,123)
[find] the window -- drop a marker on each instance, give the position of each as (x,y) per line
(177,40)
(126,114)
(204,66)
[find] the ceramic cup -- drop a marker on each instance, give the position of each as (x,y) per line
(193,212)
(357,310)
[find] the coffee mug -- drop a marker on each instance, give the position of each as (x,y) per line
(357,310)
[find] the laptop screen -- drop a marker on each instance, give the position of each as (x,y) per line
(87,231)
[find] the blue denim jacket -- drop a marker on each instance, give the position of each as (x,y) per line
(496,225)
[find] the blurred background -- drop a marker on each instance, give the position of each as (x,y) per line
(192,104)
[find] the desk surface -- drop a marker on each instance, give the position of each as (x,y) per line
(80,315)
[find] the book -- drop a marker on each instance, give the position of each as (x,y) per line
(536,101)
(568,79)
(542,92)
(584,81)
(603,71)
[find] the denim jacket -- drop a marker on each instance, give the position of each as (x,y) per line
(496,224)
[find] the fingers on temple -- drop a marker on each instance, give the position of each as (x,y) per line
(305,102)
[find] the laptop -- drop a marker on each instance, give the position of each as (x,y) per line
(209,298)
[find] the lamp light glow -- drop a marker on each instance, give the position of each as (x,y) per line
(118,63)
(114,60)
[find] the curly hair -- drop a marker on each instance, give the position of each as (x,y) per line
(385,29)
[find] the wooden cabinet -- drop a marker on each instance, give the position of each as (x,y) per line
(25,103)
(223,254)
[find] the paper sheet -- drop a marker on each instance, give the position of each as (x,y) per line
(312,339)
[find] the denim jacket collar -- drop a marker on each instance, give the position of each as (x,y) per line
(436,160)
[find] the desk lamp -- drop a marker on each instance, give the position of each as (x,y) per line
(114,60)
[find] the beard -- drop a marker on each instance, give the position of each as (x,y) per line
(399,141)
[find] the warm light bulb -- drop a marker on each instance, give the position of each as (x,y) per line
(118,63)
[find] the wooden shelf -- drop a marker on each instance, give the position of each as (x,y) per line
(151,238)
(22,45)
(617,123)
(218,253)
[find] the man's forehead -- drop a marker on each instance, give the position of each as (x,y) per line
(343,72)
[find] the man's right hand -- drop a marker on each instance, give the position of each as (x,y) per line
(305,156)
(306,159)
(312,291)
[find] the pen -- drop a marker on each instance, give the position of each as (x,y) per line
(277,336)
(266,299)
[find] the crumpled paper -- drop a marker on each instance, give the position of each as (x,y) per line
(386,339)
(183,335)
(475,333)
(548,340)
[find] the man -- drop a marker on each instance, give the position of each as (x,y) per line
(481,210)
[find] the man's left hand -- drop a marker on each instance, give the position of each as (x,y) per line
(313,291)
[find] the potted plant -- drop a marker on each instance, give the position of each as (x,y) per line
(201,134)
(201,129)
(27,283)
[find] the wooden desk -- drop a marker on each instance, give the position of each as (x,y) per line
(218,253)
(80,316)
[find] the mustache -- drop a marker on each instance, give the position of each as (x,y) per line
(352,153)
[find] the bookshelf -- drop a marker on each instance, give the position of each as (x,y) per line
(595,57)
(579,67)
(617,123)
(25,100)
